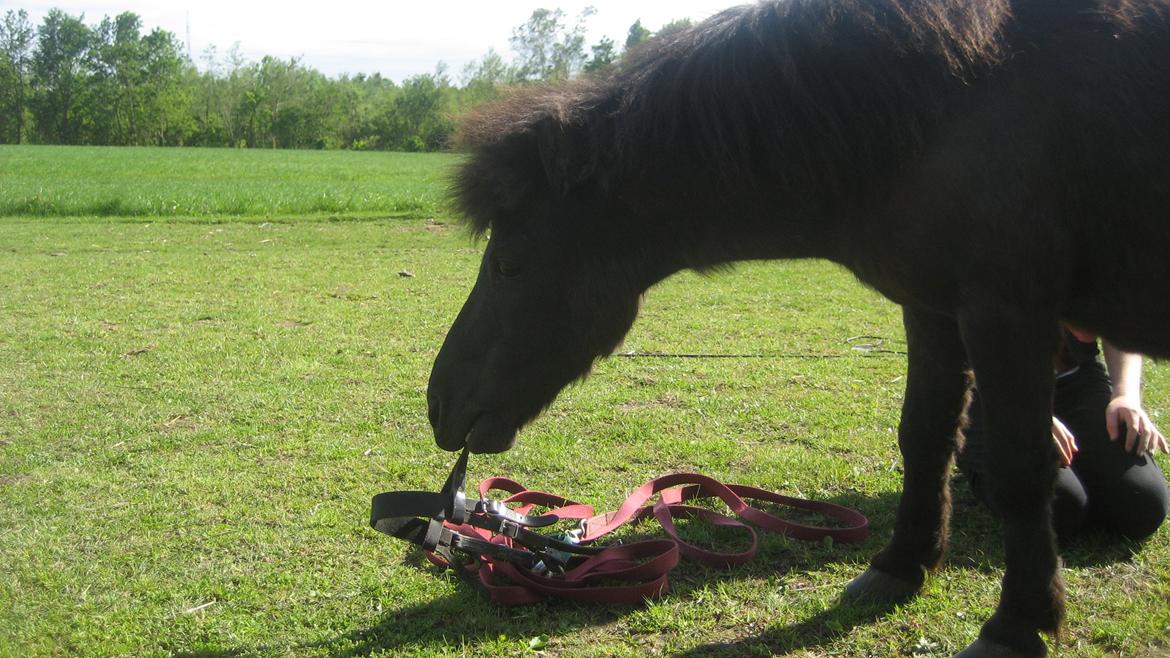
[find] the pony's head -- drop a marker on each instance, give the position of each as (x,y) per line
(559,284)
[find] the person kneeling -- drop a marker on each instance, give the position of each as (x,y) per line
(1109,478)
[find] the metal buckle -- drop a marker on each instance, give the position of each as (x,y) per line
(508,528)
(498,510)
(493,508)
(505,518)
(542,569)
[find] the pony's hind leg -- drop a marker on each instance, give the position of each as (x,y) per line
(1011,351)
(936,394)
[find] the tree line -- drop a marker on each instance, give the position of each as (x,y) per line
(114,83)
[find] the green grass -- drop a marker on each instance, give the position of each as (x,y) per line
(60,181)
(194,415)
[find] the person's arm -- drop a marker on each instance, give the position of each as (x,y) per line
(1125,372)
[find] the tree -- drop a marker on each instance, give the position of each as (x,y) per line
(418,118)
(483,78)
(636,35)
(533,44)
(604,56)
(276,81)
(135,92)
(677,25)
(359,111)
(16,41)
(235,88)
(115,77)
(9,131)
(547,48)
(166,94)
(58,70)
(205,90)
(116,83)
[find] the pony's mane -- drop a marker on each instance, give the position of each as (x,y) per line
(962,33)
(811,79)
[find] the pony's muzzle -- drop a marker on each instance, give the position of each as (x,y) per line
(443,423)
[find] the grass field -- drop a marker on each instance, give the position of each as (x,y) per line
(196,406)
(54,181)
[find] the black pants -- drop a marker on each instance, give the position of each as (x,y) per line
(1105,486)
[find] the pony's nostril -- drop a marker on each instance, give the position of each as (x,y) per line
(434,411)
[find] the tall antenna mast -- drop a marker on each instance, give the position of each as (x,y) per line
(189,37)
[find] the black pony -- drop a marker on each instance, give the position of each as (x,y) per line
(996,167)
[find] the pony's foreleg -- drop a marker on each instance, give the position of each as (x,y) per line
(936,394)
(1012,352)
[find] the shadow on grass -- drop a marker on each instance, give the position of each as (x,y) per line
(821,629)
(465,618)
(976,543)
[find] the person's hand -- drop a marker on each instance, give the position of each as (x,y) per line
(1141,436)
(1066,443)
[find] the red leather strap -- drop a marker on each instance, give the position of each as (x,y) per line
(855,528)
(643,565)
(529,498)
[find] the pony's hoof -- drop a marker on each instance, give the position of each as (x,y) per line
(874,586)
(982,648)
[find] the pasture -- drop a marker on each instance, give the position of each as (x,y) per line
(210,360)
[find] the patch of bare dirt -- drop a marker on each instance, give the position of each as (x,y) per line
(661,402)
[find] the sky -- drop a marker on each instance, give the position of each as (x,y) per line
(393,37)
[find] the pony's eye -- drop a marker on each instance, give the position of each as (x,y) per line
(508,268)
